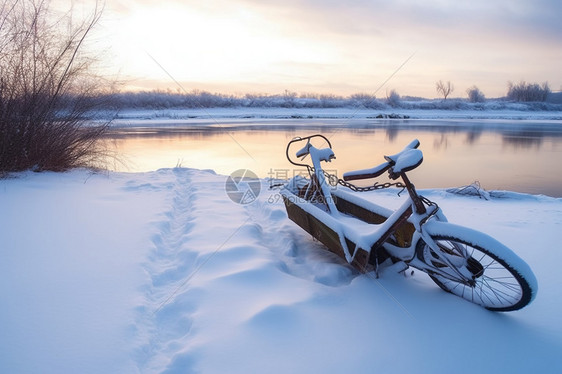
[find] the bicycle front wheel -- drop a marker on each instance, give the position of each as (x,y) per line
(501,281)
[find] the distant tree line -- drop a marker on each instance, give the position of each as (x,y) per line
(159,99)
(519,92)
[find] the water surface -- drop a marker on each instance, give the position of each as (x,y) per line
(522,156)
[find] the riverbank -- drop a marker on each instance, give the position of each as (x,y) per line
(125,117)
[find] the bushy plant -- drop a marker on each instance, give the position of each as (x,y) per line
(475,95)
(289,99)
(523,91)
(393,98)
(365,100)
(46,89)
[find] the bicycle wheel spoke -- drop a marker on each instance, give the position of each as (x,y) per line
(483,293)
(510,286)
(499,294)
(496,286)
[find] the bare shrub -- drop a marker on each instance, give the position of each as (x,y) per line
(365,100)
(523,91)
(475,95)
(47,89)
(393,98)
(289,99)
(444,89)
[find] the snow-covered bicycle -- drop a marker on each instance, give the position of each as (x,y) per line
(465,262)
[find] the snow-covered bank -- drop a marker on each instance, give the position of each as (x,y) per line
(214,115)
(162,272)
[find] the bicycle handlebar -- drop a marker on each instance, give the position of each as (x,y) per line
(303,152)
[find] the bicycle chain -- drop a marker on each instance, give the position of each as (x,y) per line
(333,180)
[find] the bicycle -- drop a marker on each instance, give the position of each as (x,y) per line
(462,261)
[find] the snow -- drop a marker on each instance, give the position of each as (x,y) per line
(408,160)
(271,115)
(161,272)
(363,173)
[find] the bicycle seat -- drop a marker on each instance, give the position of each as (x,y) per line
(407,159)
(413,145)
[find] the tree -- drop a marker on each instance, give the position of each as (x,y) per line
(47,89)
(475,95)
(393,98)
(523,91)
(444,89)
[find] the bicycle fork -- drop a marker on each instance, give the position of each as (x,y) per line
(430,258)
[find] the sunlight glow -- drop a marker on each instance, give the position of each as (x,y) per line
(309,46)
(197,46)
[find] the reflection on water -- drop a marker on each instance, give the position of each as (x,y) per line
(518,156)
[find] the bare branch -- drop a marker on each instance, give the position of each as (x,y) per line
(47,88)
(444,89)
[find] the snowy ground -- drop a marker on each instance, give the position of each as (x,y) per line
(162,272)
(213,116)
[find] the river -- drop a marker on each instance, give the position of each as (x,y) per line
(515,155)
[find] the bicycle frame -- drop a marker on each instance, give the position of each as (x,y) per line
(413,210)
(456,265)
(462,261)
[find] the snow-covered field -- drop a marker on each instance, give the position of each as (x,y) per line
(491,111)
(161,272)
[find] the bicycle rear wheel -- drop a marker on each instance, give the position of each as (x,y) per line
(501,281)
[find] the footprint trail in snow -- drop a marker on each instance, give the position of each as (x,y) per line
(205,259)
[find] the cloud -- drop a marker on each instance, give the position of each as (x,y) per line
(518,18)
(355,44)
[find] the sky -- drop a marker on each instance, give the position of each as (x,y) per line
(333,47)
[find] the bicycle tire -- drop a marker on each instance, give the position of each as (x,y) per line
(502,280)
